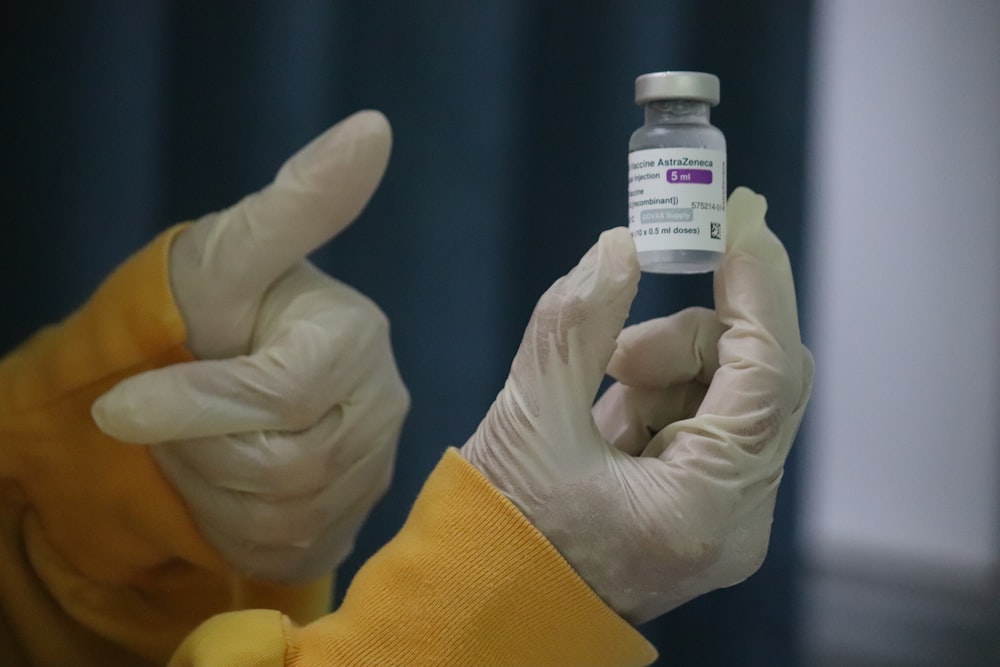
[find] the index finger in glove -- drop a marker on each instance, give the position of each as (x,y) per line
(320,344)
(754,404)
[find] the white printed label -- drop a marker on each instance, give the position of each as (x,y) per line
(677,199)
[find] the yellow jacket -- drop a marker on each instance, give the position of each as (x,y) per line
(101,564)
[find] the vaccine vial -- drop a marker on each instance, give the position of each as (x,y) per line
(677,175)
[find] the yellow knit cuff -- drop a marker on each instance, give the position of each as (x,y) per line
(469,581)
(239,639)
(130,323)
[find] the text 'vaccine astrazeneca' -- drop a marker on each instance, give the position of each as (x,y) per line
(677,175)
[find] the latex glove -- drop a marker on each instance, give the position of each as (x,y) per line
(283,435)
(665,489)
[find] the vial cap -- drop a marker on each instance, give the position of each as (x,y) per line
(677,85)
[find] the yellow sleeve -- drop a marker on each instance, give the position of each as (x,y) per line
(100,562)
(467,581)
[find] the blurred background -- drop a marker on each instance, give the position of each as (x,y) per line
(871,126)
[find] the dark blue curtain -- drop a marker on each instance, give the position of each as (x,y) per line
(511,123)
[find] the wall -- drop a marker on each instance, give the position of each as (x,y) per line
(901,446)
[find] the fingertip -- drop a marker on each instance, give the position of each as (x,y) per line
(108,413)
(617,250)
(361,142)
(99,413)
(373,122)
(744,196)
(610,269)
(745,213)
(371,128)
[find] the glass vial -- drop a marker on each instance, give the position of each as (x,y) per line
(677,175)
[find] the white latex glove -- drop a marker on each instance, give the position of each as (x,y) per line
(665,489)
(282,436)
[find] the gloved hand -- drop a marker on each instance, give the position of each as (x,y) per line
(282,436)
(665,488)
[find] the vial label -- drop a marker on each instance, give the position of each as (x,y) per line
(677,199)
